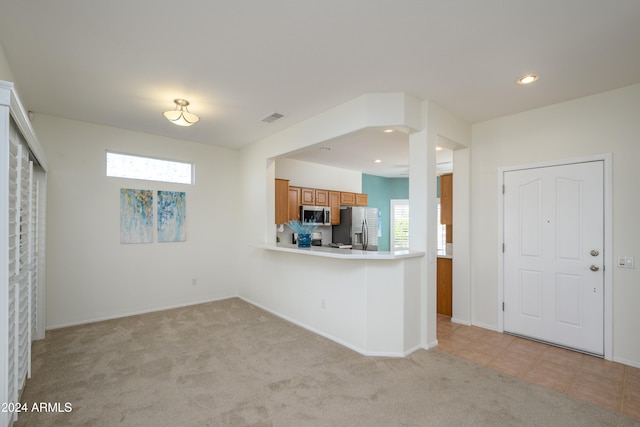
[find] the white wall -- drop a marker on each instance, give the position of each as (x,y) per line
(5,70)
(314,175)
(90,275)
(603,123)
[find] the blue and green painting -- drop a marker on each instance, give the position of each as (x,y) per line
(136,216)
(172,213)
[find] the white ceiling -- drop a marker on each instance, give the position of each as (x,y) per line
(121,63)
(360,150)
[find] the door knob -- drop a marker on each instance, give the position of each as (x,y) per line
(594,268)
(594,253)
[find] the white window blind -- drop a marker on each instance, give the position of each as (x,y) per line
(399,224)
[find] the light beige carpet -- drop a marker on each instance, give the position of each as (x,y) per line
(230,363)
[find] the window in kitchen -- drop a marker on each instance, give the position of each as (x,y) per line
(148,168)
(399,224)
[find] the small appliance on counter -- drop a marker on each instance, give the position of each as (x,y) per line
(316,238)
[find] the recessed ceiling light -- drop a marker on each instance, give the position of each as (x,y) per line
(438,148)
(388,130)
(377,161)
(529,78)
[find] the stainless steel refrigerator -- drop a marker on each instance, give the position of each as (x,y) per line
(358,227)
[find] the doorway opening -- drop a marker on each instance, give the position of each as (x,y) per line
(444,232)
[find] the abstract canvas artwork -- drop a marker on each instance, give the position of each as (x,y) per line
(136,216)
(172,213)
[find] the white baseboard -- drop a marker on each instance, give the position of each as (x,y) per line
(460,322)
(624,361)
(327,336)
(486,326)
(135,313)
(432,344)
(412,350)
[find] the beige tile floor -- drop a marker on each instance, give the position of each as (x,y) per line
(602,382)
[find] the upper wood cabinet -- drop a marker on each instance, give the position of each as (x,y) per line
(322,198)
(347,199)
(446,199)
(282,201)
(362,199)
(354,199)
(308,196)
(294,203)
(290,198)
(334,204)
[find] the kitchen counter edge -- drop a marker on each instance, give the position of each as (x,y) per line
(324,251)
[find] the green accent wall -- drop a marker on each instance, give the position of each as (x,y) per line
(381,190)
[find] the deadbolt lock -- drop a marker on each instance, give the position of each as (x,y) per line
(594,252)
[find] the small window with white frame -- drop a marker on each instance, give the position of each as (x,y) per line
(130,166)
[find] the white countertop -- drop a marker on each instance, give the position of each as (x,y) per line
(329,252)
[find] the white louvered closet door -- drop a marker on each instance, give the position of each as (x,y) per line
(21,266)
(22,221)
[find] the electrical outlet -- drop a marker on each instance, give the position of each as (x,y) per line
(194,282)
(323,304)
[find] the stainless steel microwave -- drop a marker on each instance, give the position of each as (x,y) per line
(317,214)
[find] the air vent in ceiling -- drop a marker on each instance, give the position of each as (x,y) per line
(272,118)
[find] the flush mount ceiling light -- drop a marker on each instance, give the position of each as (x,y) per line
(388,130)
(181,115)
(528,79)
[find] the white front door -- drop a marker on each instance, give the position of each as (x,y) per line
(553,255)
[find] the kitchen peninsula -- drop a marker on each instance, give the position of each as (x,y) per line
(367,301)
(324,251)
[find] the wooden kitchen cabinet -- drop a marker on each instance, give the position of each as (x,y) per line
(282,201)
(362,199)
(354,199)
(348,199)
(334,205)
(322,198)
(445,286)
(294,203)
(308,196)
(446,199)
